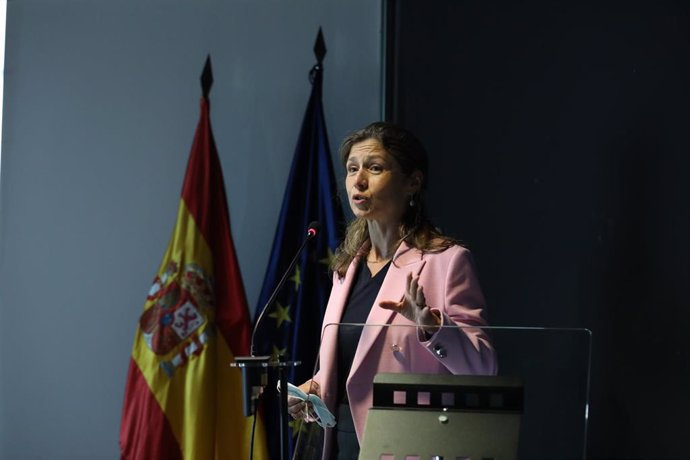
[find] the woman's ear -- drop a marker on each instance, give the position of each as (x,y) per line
(416,182)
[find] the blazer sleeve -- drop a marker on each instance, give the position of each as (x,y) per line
(465,349)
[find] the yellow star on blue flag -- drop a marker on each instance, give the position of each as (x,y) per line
(278,352)
(281,314)
(296,278)
(328,259)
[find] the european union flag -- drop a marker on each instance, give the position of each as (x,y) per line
(292,327)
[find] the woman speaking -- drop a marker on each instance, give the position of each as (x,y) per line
(393,267)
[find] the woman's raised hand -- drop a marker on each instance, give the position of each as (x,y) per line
(413,306)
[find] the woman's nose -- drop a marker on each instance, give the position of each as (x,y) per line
(361,180)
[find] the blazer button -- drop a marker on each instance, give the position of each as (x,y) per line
(440,351)
(395,347)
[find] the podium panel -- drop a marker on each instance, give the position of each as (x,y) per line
(443,416)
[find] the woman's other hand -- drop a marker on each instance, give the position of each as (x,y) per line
(302,410)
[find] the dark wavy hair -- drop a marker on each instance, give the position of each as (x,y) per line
(415,228)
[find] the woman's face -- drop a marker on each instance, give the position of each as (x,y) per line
(377,189)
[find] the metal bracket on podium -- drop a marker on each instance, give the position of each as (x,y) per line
(443,417)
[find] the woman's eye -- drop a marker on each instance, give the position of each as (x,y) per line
(375,168)
(352,169)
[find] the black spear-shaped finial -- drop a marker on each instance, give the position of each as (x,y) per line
(319,47)
(207,78)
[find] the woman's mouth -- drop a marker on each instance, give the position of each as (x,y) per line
(359,199)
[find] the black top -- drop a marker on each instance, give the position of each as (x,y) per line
(360,301)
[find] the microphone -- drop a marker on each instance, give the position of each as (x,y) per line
(312,231)
(255,375)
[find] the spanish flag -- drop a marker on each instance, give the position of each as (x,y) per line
(182,398)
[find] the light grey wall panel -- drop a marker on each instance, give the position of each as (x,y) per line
(101,103)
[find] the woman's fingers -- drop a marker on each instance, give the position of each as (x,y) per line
(390,305)
(413,302)
(414,284)
(420,300)
(297,409)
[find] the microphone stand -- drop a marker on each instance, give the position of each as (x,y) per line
(255,375)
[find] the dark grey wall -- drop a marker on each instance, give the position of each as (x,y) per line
(558,136)
(101,103)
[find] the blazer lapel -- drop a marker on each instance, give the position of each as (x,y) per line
(339,294)
(404,261)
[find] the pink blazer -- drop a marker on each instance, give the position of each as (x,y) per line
(450,286)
